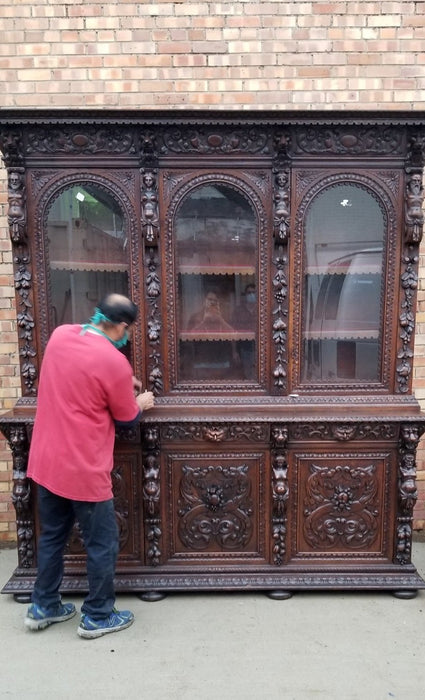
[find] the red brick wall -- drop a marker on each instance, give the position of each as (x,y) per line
(220,55)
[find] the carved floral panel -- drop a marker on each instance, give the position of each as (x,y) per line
(342,505)
(218,506)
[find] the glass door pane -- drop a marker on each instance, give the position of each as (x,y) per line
(216,262)
(342,299)
(87,251)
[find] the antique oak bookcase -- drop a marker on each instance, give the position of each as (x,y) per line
(274,260)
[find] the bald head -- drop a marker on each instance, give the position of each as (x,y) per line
(118,308)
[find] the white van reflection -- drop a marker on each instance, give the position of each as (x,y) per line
(343,318)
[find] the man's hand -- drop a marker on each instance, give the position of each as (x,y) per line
(145,401)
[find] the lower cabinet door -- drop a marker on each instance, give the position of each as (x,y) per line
(342,504)
(216,507)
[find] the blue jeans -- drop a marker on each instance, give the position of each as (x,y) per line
(100,533)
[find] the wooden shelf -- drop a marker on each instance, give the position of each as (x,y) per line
(216,270)
(341,334)
(88,266)
(216,336)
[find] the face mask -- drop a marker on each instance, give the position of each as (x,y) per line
(120,343)
(251,297)
(99,317)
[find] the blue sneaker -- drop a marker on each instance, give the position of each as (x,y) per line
(116,621)
(38,618)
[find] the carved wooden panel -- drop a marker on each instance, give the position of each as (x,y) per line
(342,506)
(217,506)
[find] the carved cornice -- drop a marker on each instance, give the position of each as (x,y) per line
(277,117)
(134,134)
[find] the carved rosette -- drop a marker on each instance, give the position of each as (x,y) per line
(215,507)
(341,507)
(17,438)
(280,491)
(407,493)
(151,491)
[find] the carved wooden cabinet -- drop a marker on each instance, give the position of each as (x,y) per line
(274,259)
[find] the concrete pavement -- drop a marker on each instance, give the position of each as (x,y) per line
(233,646)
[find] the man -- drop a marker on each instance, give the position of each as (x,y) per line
(86,389)
(245,319)
(209,318)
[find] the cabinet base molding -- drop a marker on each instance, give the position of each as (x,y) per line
(403,582)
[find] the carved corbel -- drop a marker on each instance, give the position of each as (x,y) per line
(281,205)
(414,216)
(17,215)
(281,193)
(149,205)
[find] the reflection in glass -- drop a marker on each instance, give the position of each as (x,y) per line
(343,240)
(216,259)
(87,251)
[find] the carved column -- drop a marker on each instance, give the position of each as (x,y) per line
(281,215)
(414,220)
(17,438)
(13,154)
(280,491)
(407,492)
(151,233)
(151,494)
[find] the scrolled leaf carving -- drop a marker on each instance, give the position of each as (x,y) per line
(215,507)
(341,507)
(210,140)
(347,140)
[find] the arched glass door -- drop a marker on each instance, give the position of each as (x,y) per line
(216,262)
(86,251)
(344,235)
